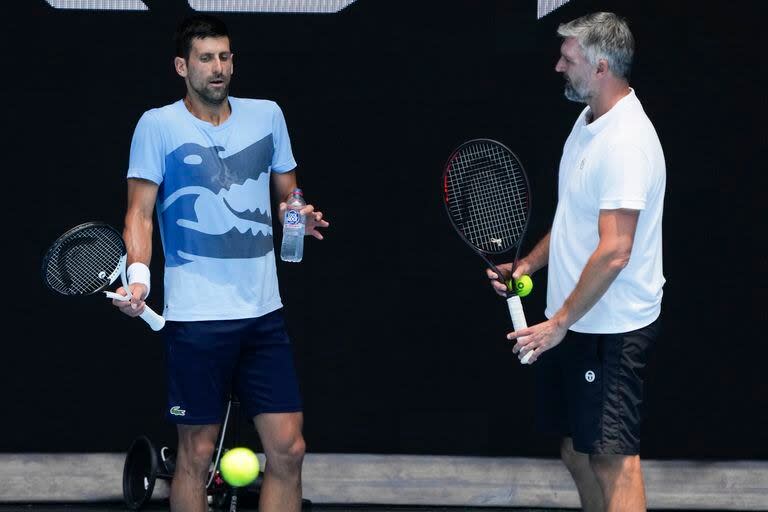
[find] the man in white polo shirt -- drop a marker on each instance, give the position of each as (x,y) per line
(605,271)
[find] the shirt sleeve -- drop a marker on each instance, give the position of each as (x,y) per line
(624,178)
(147,158)
(282,157)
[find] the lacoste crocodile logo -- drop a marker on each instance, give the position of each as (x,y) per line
(178,411)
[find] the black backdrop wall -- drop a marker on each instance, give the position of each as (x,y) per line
(399,340)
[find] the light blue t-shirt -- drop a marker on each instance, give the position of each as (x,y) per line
(213,206)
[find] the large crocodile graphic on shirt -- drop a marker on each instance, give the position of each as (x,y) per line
(214,207)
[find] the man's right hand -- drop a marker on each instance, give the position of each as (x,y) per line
(135,306)
(500,288)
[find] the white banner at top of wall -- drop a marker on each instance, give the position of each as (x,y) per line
(302,6)
(547,6)
(275,6)
(99,5)
(544,7)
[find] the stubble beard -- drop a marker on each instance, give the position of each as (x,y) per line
(213,97)
(576,93)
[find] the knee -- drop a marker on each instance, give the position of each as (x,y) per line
(195,454)
(576,462)
(615,468)
(286,454)
(203,450)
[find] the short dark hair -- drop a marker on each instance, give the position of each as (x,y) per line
(197,26)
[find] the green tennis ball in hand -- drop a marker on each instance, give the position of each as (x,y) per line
(239,467)
(522,286)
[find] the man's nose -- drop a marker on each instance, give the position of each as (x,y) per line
(559,66)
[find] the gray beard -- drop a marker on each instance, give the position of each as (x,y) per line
(572,94)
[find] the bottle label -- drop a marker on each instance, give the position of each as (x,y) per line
(292,219)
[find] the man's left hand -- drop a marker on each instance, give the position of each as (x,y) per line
(537,339)
(313,219)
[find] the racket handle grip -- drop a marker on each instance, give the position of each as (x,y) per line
(515,306)
(155,321)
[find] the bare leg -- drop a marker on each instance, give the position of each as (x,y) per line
(590,492)
(284,449)
(621,478)
(193,460)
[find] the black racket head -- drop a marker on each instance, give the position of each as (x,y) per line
(84,260)
(487,196)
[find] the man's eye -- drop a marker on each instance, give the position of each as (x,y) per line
(205,58)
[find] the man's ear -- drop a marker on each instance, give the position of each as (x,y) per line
(602,67)
(181,66)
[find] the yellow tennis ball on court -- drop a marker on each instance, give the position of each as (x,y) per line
(524,285)
(239,467)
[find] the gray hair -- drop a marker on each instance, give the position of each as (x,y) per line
(603,35)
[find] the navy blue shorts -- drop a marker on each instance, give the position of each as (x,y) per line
(207,361)
(590,388)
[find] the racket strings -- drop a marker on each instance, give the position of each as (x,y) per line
(487,196)
(85,261)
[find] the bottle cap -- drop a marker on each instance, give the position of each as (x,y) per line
(298,191)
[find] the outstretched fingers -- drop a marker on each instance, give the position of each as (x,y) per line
(314,221)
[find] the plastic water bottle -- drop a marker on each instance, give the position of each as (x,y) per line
(292,248)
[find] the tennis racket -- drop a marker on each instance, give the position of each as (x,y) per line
(87,259)
(487,199)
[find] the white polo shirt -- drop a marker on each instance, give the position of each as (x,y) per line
(614,162)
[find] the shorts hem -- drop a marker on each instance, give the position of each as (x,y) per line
(606,449)
(276,410)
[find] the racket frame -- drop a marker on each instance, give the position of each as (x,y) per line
(481,252)
(155,321)
(514,304)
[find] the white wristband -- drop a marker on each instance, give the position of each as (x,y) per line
(138,273)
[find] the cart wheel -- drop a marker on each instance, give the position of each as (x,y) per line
(139,473)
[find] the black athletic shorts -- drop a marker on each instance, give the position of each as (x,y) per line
(590,388)
(206,361)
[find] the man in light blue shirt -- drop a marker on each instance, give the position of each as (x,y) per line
(205,164)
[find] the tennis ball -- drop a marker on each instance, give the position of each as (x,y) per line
(524,285)
(239,467)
